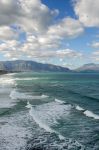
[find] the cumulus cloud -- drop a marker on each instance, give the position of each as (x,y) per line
(95,44)
(8,45)
(69,53)
(87,12)
(30,15)
(33,49)
(44,36)
(67,27)
(7,33)
(95,56)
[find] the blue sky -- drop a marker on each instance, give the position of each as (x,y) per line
(62,32)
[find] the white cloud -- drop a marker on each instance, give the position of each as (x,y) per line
(69,53)
(44,35)
(95,44)
(95,56)
(88,12)
(29,14)
(34,48)
(68,28)
(32,15)
(8,45)
(7,33)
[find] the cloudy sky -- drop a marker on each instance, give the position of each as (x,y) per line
(61,32)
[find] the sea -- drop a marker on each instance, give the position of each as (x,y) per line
(49,111)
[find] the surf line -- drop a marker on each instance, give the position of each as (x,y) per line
(40,123)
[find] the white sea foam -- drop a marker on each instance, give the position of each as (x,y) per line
(7,81)
(28,105)
(59,101)
(5,90)
(79,108)
(88,113)
(6,85)
(39,122)
(44,96)
(7,103)
(19,95)
(5,100)
(46,115)
(11,74)
(13,133)
(61,137)
(20,79)
(91,114)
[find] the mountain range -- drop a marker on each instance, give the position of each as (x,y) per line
(91,67)
(26,66)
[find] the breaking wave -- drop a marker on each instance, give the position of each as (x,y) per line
(79,108)
(59,101)
(46,115)
(91,114)
(7,81)
(19,95)
(20,79)
(88,113)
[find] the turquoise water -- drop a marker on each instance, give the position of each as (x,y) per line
(50,111)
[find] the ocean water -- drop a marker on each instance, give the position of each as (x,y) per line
(49,111)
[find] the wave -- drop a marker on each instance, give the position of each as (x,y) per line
(92,98)
(88,113)
(11,74)
(13,132)
(84,96)
(79,108)
(28,105)
(19,95)
(91,114)
(7,81)
(27,79)
(40,123)
(59,101)
(46,115)
(7,103)
(44,96)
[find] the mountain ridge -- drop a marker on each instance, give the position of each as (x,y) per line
(27,65)
(33,66)
(90,67)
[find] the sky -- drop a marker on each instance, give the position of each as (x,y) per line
(60,32)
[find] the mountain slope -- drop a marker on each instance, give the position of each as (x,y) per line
(91,67)
(22,65)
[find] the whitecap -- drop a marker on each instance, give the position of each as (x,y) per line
(44,96)
(20,95)
(28,105)
(27,79)
(46,115)
(91,114)
(59,101)
(7,81)
(79,108)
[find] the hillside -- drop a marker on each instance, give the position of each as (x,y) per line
(91,67)
(24,66)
